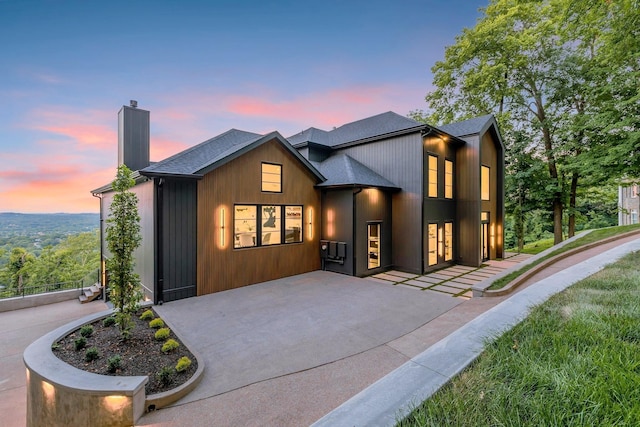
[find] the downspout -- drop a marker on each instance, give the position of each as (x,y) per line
(158,295)
(354,233)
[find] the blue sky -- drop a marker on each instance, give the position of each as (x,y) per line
(201,68)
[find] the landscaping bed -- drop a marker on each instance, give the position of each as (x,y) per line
(140,355)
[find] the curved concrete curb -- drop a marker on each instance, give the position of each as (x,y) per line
(54,386)
(481,289)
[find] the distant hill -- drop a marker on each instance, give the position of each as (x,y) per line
(19,224)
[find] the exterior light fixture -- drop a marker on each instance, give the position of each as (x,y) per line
(310,223)
(222,226)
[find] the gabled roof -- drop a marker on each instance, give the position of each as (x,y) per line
(196,161)
(344,171)
(374,127)
(467,127)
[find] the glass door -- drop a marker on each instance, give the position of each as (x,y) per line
(485,235)
(373,246)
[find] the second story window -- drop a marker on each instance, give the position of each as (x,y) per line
(484,183)
(448,179)
(271,178)
(433,176)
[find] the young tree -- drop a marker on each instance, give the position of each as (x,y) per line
(123,237)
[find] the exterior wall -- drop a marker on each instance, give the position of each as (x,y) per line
(177,238)
(467,176)
(133,138)
(219,265)
(439,210)
(628,204)
(399,160)
(372,205)
(144,254)
(491,157)
(337,225)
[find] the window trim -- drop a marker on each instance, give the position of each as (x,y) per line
(448,179)
(429,180)
(262,180)
(484,168)
(378,225)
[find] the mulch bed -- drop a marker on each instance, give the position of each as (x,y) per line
(140,355)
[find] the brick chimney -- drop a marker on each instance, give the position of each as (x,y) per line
(133,137)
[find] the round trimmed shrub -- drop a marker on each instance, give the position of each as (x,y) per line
(91,354)
(156,323)
(183,364)
(162,334)
(108,321)
(170,345)
(114,363)
(164,375)
(86,331)
(79,343)
(147,315)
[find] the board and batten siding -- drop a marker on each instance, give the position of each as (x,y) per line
(491,157)
(399,160)
(219,265)
(468,206)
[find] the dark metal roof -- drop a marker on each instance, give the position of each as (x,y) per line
(467,127)
(374,127)
(208,155)
(343,171)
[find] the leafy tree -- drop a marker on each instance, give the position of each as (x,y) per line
(19,262)
(123,237)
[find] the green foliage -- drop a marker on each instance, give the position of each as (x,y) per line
(147,315)
(108,321)
(114,363)
(79,343)
(123,237)
(165,375)
(55,346)
(156,323)
(91,354)
(162,334)
(170,345)
(183,364)
(86,331)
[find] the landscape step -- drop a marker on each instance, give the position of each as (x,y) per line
(90,294)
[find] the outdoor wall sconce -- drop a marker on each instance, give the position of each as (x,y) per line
(222,225)
(310,224)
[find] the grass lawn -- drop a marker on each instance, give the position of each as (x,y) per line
(574,361)
(592,237)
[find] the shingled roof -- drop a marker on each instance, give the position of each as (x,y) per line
(344,171)
(374,127)
(467,127)
(212,153)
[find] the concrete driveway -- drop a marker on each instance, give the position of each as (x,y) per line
(276,328)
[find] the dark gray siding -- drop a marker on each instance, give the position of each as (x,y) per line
(468,202)
(133,138)
(337,225)
(372,205)
(399,160)
(178,243)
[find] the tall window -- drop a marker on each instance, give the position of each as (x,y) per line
(373,245)
(448,179)
(634,216)
(433,176)
(271,225)
(432,244)
(448,241)
(271,178)
(484,183)
(293,224)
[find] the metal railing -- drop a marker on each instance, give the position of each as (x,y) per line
(78,285)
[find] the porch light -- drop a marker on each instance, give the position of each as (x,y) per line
(310,224)
(222,227)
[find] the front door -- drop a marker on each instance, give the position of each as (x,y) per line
(439,243)
(485,235)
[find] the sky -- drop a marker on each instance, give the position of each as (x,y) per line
(200,68)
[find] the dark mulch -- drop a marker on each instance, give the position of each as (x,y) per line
(140,355)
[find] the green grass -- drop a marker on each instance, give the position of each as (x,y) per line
(594,236)
(574,361)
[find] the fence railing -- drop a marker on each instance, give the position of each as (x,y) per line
(85,282)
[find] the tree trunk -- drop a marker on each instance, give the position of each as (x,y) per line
(572,205)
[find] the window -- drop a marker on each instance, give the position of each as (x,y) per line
(433,176)
(448,241)
(634,191)
(270,228)
(271,225)
(448,179)
(271,178)
(293,224)
(373,233)
(432,244)
(484,183)
(245,226)
(634,216)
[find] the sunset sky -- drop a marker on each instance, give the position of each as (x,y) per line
(201,68)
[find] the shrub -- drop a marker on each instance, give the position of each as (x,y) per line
(108,321)
(55,346)
(164,375)
(183,364)
(147,315)
(79,343)
(170,345)
(156,323)
(114,363)
(162,334)
(86,331)
(91,354)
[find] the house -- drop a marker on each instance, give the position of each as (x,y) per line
(628,204)
(375,194)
